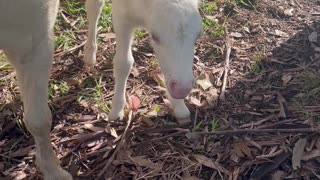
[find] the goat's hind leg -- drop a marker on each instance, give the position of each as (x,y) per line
(93,8)
(33,74)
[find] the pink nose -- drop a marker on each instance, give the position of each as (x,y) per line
(179,91)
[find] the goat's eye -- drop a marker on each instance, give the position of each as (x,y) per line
(155,38)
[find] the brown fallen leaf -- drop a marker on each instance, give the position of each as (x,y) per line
(298,152)
(209,163)
(286,78)
(191,178)
(107,36)
(93,128)
(278,175)
(22,152)
(235,174)
(205,82)
(142,161)
(20,175)
(313,37)
(270,166)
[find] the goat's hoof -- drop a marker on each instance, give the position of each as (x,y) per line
(115,115)
(59,174)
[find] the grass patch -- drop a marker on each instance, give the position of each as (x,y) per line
(212,27)
(311,87)
(4,64)
(209,7)
(106,16)
(57,88)
(65,40)
(257,67)
(246,3)
(140,33)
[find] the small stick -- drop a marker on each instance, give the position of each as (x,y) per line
(260,131)
(258,122)
(226,65)
(70,50)
(122,141)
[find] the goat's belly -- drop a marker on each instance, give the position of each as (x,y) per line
(16,14)
(22,20)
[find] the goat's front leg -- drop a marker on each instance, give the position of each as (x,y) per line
(123,61)
(93,8)
(180,110)
(33,73)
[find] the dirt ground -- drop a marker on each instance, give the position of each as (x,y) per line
(264,125)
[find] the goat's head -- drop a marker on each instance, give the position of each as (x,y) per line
(174,28)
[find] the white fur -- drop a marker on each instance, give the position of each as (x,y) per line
(26,36)
(164,18)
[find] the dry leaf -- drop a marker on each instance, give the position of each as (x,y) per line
(135,72)
(311,155)
(21,152)
(159,78)
(298,152)
(195,101)
(134,102)
(288,12)
(147,121)
(113,133)
(93,128)
(141,161)
(209,163)
(190,178)
(278,175)
(286,78)
(1,167)
(235,34)
(281,33)
(107,36)
(72,81)
(235,174)
(313,37)
(20,175)
(205,83)
(245,149)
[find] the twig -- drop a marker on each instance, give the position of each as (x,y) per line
(260,131)
(268,126)
(259,122)
(121,142)
(181,131)
(226,65)
(70,50)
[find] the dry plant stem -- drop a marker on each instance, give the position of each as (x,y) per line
(70,50)
(260,131)
(226,66)
(233,132)
(119,146)
(161,138)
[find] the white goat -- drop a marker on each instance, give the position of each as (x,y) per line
(174,26)
(26,36)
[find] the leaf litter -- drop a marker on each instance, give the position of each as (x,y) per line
(270,104)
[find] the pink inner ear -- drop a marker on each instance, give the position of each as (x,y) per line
(155,38)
